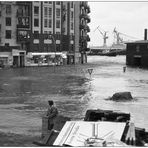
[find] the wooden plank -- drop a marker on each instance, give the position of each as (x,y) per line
(75,133)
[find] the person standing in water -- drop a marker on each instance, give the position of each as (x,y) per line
(52,113)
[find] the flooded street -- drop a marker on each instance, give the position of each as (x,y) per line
(24,92)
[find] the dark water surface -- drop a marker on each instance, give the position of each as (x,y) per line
(24,92)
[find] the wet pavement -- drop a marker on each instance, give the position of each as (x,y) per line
(24,92)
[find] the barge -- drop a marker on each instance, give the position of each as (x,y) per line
(99,128)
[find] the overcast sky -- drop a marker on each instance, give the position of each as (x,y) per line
(130,18)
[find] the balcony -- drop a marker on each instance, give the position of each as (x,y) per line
(87,18)
(82,26)
(83,15)
(23,22)
(23,36)
(82,39)
(87,28)
(23,26)
(88,38)
(88,9)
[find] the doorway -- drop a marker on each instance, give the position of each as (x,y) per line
(137,61)
(15,61)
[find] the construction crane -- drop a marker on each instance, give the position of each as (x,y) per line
(103,33)
(118,34)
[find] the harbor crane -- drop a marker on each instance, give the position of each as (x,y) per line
(104,34)
(118,34)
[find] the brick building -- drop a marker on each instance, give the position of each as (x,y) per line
(43,32)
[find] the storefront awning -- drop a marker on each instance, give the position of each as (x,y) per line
(30,54)
(46,53)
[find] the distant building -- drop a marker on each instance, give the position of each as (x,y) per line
(33,32)
(137,53)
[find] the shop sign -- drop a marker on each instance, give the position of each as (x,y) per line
(47,41)
(15,52)
(36,41)
(58,42)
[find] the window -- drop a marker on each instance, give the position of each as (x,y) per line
(45,22)
(8,9)
(57,23)
(71,4)
(50,23)
(71,14)
(45,32)
(50,12)
(36,22)
(57,32)
(8,21)
(36,10)
(57,13)
(57,3)
(36,34)
(45,11)
(50,2)
(71,25)
(8,34)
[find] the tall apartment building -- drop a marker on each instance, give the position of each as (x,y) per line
(43,32)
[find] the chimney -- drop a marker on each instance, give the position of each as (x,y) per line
(145,34)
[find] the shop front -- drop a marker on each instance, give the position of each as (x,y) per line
(45,59)
(5,59)
(18,58)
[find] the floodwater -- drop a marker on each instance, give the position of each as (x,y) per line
(24,92)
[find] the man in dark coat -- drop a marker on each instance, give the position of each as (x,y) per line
(52,114)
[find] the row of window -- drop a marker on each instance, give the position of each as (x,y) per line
(25,34)
(48,11)
(36,8)
(21,21)
(47,22)
(8,9)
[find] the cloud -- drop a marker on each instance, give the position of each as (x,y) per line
(129,17)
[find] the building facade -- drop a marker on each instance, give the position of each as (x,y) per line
(43,32)
(137,53)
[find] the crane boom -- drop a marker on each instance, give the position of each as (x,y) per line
(118,38)
(104,34)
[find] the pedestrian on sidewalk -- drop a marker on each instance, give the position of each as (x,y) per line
(52,113)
